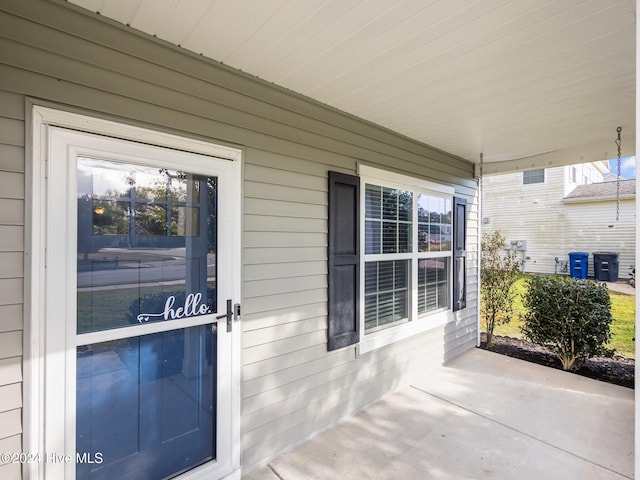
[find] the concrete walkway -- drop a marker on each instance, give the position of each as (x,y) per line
(622,287)
(481,416)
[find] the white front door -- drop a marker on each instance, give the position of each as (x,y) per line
(141,285)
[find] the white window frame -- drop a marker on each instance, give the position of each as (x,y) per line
(416,324)
(35,312)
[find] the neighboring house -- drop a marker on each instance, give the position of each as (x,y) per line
(166,192)
(559,210)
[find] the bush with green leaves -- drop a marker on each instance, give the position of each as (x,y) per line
(569,316)
(499,270)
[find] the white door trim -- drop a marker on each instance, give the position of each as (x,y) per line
(35,308)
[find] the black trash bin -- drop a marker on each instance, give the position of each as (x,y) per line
(605,266)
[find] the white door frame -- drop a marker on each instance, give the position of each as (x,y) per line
(36,244)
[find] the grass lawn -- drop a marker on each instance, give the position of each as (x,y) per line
(623,309)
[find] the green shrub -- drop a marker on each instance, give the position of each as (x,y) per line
(569,316)
(499,270)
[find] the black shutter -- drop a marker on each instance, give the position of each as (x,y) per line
(344,260)
(459,253)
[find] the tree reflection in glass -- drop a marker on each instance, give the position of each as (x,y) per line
(143,234)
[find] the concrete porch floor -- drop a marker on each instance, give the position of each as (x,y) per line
(482,415)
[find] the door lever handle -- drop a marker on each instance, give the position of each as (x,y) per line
(228,315)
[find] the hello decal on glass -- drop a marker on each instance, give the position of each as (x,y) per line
(193,306)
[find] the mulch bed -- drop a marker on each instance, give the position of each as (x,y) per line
(617,370)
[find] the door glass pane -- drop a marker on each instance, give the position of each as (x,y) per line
(147,244)
(146,405)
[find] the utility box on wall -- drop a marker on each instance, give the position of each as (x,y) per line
(519,245)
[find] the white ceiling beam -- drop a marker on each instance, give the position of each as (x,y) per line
(589,152)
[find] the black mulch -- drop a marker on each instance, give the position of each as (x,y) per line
(617,370)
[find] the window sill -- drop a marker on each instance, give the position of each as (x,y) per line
(389,336)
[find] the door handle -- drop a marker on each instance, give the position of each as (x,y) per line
(228,315)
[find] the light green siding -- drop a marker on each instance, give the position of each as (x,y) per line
(56,55)
(12,165)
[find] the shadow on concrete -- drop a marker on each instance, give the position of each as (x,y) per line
(482,415)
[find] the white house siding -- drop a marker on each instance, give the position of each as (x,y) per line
(552,227)
(59,56)
(589,224)
(527,212)
(585,173)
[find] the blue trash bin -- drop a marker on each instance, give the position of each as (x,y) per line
(578,264)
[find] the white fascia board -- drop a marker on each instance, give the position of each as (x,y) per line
(587,153)
(608,198)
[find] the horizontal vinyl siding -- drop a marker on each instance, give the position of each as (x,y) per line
(12,181)
(462,334)
(10,397)
(11,128)
(11,238)
(10,444)
(553,228)
(589,231)
(528,212)
(10,370)
(285,360)
(314,401)
(292,386)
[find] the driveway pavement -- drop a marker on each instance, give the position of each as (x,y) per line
(622,287)
(481,416)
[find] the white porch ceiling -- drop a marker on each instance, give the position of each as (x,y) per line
(528,82)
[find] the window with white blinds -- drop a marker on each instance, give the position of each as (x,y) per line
(388,216)
(407,254)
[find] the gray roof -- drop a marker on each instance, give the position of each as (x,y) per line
(604,189)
